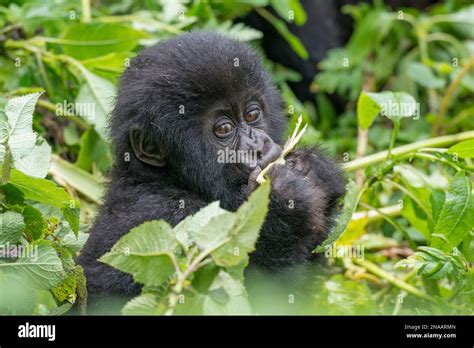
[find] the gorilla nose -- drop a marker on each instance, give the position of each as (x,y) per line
(265,158)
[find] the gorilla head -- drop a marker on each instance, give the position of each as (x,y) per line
(187,101)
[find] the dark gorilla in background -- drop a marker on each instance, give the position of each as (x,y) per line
(179,103)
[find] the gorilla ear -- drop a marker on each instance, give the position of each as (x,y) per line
(144,150)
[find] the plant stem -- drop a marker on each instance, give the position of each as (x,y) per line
(182,277)
(86,11)
(406,149)
(373,268)
(438,125)
(396,128)
(6,165)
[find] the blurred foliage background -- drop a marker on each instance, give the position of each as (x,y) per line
(71,54)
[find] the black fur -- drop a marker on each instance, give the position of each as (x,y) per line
(194,71)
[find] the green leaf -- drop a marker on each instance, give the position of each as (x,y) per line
(74,243)
(30,153)
(344,296)
(226,296)
(81,180)
(456,218)
(393,105)
(46,191)
(145,304)
(215,231)
(416,216)
(285,7)
(186,230)
(93,152)
(464,149)
(11,227)
(238,31)
(432,263)
(245,230)
(146,252)
(39,266)
(36,224)
(424,76)
(101,93)
(350,204)
(87,40)
(367,111)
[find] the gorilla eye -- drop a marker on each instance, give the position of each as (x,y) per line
(252,115)
(223,129)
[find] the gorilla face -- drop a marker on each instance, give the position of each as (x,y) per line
(207,118)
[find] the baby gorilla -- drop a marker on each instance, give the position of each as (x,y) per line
(180,104)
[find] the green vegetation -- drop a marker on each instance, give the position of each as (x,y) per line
(403,243)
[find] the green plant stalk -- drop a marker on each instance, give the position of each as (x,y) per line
(378,157)
(6,165)
(71,117)
(371,267)
(86,11)
(396,128)
(183,276)
(438,125)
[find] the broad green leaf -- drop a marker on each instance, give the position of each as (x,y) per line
(245,230)
(238,31)
(93,153)
(393,105)
(344,296)
(437,198)
(146,253)
(11,227)
(350,204)
(46,191)
(456,218)
(82,181)
(226,296)
(433,263)
(101,93)
(87,40)
(145,304)
(30,153)
(424,76)
(36,162)
(185,231)
(74,243)
(464,149)
(215,231)
(367,111)
(39,266)
(36,224)
(411,175)
(417,217)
